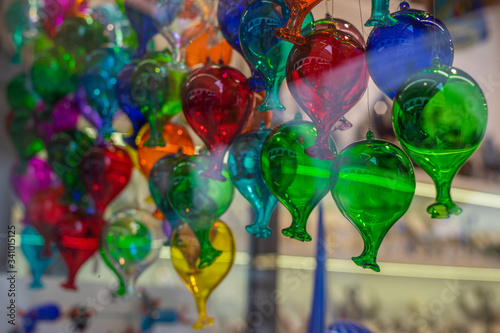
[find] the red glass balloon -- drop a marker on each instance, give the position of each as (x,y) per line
(106,170)
(217,103)
(77,241)
(43,212)
(327,76)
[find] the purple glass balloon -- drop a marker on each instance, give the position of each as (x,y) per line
(63,117)
(85,109)
(37,176)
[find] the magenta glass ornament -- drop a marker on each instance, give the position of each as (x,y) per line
(217,104)
(63,117)
(327,76)
(36,177)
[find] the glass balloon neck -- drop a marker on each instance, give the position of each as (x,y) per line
(208,253)
(444,206)
(203,319)
(380,14)
(321,148)
(272,101)
(291,31)
(297,229)
(368,259)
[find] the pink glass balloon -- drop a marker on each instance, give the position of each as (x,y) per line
(36,177)
(62,117)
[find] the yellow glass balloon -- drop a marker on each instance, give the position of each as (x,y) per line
(185,253)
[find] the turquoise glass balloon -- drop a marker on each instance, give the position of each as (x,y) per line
(373,184)
(199,201)
(18,25)
(100,80)
(297,180)
(439,117)
(31,245)
(266,52)
(246,175)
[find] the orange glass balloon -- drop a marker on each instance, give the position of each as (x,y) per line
(176,137)
(292,30)
(199,52)
(185,253)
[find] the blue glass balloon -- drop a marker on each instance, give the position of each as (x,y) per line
(47,311)
(397,51)
(261,47)
(229,14)
(144,28)
(31,245)
(246,175)
(124,95)
(100,80)
(347,326)
(158,316)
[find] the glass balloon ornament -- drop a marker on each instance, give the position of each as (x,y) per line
(20,95)
(142,22)
(132,240)
(126,103)
(156,90)
(185,253)
(229,14)
(52,13)
(217,104)
(40,312)
(19,26)
(297,180)
(175,137)
(373,184)
(105,172)
(246,175)
(207,49)
(263,49)
(292,30)
(32,244)
(199,201)
(77,241)
(65,153)
(100,80)
(76,38)
(43,212)
(380,15)
(326,76)
(397,51)
(51,119)
(439,118)
(22,134)
(158,179)
(334,23)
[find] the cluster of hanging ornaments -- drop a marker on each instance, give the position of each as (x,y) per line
(439,119)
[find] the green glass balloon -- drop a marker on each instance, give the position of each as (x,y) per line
(297,180)
(122,288)
(65,153)
(76,38)
(439,117)
(21,98)
(23,136)
(199,201)
(373,184)
(51,76)
(156,90)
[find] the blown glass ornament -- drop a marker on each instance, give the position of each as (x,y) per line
(53,13)
(41,312)
(105,171)
(380,14)
(229,14)
(37,176)
(20,96)
(333,23)
(132,240)
(143,26)
(175,137)
(156,90)
(100,80)
(62,116)
(397,51)
(373,184)
(122,288)
(158,179)
(77,241)
(19,26)
(186,258)
(32,244)
(76,38)
(297,180)
(291,31)
(126,103)
(199,201)
(326,76)
(65,153)
(246,175)
(263,49)
(439,117)
(203,50)
(217,104)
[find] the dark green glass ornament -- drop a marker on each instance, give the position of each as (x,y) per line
(20,96)
(373,184)
(23,136)
(439,118)
(199,201)
(297,180)
(65,154)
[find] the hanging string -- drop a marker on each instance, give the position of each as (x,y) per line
(327,9)
(368,85)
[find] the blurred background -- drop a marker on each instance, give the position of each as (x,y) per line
(437,275)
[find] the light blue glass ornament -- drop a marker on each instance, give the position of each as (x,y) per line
(31,245)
